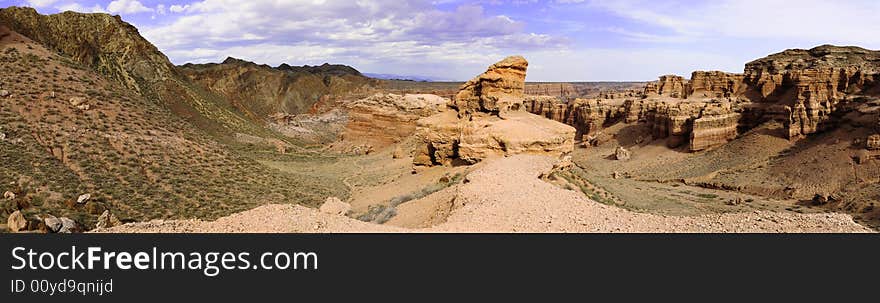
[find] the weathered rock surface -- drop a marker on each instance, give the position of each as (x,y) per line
(486,120)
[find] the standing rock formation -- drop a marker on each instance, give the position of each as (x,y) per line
(497,90)
(485,120)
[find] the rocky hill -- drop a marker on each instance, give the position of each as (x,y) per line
(260,91)
(115,49)
(75,143)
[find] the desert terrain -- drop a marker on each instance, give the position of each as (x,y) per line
(105,134)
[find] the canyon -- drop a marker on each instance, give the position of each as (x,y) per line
(104,133)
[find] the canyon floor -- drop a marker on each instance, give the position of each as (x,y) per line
(508,195)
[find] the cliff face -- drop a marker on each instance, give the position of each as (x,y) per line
(812,83)
(260,90)
(807,90)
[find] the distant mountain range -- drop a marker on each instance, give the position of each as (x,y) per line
(402,77)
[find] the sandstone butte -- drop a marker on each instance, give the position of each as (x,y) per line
(486,119)
(807,90)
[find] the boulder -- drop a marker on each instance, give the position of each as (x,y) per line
(68,226)
(4,93)
(622,154)
(107,220)
(16,222)
(8,195)
(52,223)
(334,206)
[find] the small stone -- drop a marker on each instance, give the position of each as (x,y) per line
(622,154)
(8,195)
(83,198)
(4,93)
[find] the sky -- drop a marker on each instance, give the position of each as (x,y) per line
(564,40)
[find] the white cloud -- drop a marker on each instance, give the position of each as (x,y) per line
(178,8)
(41,3)
(409,36)
(815,21)
(127,7)
(76,7)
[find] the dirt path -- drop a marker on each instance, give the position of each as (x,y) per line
(506,195)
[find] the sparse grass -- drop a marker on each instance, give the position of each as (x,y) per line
(381,213)
(707,196)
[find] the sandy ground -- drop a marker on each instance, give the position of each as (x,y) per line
(506,195)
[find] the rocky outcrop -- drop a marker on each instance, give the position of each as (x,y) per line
(384,119)
(498,90)
(812,83)
(486,120)
(805,89)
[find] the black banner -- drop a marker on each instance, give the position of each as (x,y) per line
(383,267)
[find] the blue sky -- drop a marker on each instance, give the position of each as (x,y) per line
(564,40)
